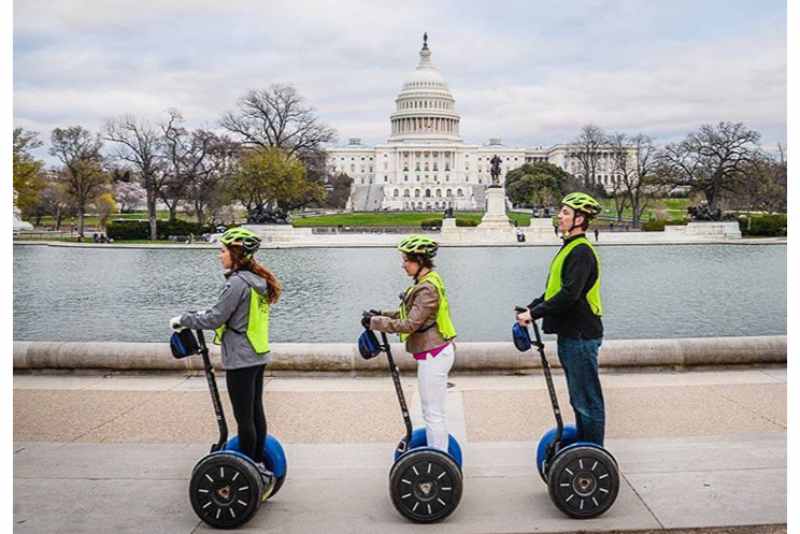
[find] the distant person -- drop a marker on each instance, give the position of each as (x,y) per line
(596,234)
(571,309)
(242,328)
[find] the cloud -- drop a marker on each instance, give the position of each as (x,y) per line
(531,73)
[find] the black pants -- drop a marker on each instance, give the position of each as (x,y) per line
(246,390)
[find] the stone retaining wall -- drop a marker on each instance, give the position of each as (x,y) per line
(344,357)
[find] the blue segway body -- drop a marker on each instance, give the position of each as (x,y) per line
(274,457)
(567,438)
(419,440)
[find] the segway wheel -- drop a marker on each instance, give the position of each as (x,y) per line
(425,485)
(583,481)
(568,436)
(274,459)
(225,489)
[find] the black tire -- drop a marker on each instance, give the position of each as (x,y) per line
(583,482)
(425,485)
(225,490)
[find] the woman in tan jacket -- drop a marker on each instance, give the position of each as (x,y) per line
(423,322)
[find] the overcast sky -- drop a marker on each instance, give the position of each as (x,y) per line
(531,73)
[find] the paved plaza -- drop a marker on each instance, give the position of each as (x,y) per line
(98,453)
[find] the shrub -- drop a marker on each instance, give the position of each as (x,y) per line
(429,224)
(654,226)
(121,229)
(764,225)
(466,222)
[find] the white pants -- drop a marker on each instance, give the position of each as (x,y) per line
(432,379)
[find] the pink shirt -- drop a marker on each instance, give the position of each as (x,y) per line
(433,352)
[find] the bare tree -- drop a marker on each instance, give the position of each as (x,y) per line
(177,159)
(54,199)
(765,186)
(140,145)
(634,164)
(712,160)
(207,188)
(79,152)
(589,143)
(278,117)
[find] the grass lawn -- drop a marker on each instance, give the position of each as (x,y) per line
(391,218)
(673,209)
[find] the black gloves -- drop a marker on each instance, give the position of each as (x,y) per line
(366,316)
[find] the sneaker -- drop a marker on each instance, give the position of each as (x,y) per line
(269,480)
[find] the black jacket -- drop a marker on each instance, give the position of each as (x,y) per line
(568,313)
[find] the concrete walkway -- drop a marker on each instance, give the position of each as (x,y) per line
(113,453)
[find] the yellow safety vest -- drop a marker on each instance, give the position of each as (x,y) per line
(443,321)
(257,324)
(554,279)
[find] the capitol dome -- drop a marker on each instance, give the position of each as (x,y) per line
(425,109)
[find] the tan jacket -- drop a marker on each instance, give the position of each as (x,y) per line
(422,304)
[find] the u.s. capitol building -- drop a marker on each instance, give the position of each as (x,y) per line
(425,165)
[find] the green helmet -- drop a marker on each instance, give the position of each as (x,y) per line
(582,202)
(418,244)
(243,238)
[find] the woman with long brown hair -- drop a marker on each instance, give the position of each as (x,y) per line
(240,319)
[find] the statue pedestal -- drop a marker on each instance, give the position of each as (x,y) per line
(282,233)
(495,217)
(723,229)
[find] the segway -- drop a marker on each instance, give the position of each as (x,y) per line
(227,487)
(425,484)
(582,477)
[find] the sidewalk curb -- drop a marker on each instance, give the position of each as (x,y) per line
(344,357)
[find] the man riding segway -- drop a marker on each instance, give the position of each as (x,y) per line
(571,308)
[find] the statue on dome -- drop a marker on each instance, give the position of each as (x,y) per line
(495,170)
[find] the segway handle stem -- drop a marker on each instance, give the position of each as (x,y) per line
(215,400)
(397,387)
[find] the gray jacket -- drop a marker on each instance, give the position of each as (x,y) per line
(233,310)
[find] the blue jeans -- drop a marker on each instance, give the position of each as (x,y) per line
(578,358)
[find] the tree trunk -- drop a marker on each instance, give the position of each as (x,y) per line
(199,213)
(151,214)
(80,219)
(58,219)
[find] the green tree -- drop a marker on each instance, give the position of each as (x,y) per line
(339,191)
(538,183)
(268,179)
(28,177)
(105,205)
(84,177)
